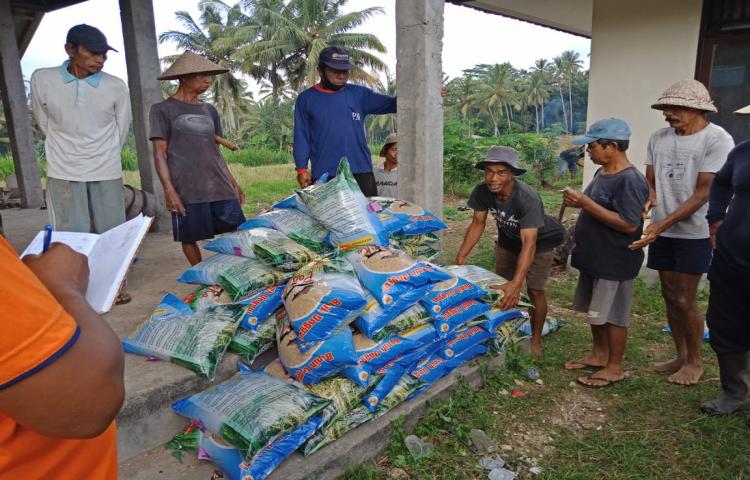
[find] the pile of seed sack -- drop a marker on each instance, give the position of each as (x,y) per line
(345,289)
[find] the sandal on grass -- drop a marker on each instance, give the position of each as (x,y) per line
(590,381)
(579,365)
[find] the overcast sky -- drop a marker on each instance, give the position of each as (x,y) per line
(471,37)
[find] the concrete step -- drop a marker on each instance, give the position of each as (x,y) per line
(360,445)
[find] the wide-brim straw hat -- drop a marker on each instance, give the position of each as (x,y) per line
(743,111)
(687,94)
(190,63)
(389,140)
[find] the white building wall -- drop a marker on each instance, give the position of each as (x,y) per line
(638,48)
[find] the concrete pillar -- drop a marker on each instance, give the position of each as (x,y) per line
(419,74)
(139,36)
(15,105)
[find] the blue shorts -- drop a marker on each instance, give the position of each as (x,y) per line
(204,220)
(680,255)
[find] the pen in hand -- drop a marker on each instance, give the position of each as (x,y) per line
(47,237)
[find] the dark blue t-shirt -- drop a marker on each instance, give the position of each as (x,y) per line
(330,125)
(601,251)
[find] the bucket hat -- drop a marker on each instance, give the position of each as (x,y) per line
(607,129)
(688,94)
(90,37)
(336,58)
(390,139)
(190,63)
(506,155)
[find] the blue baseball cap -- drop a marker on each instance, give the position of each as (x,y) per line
(607,129)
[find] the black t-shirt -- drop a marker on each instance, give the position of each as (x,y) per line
(572,155)
(601,251)
(523,209)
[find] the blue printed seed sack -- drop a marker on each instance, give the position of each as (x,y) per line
(267,245)
(450,292)
(373,355)
(195,340)
(251,410)
(250,344)
(298,226)
(453,317)
(207,272)
(321,303)
(485,279)
(260,304)
(321,360)
(340,207)
(388,274)
(495,317)
(207,295)
(462,340)
(413,219)
(389,380)
(375,318)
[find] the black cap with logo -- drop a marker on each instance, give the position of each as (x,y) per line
(336,58)
(90,37)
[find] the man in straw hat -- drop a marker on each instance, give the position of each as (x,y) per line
(84,114)
(681,162)
(728,303)
(526,235)
(200,192)
(329,122)
(386,177)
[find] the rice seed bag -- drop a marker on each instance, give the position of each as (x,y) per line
(483,279)
(323,359)
(432,368)
(321,303)
(207,272)
(494,317)
(421,240)
(251,410)
(336,429)
(406,388)
(414,316)
(267,245)
(462,340)
(414,219)
(374,318)
(195,340)
(373,355)
(450,292)
(250,344)
(551,325)
(248,276)
(425,253)
(453,317)
(387,382)
(507,333)
(451,365)
(206,296)
(298,226)
(340,206)
(389,273)
(260,305)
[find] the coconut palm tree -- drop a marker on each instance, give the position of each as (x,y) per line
(496,94)
(545,68)
(288,36)
(571,62)
(559,84)
(217,20)
(536,91)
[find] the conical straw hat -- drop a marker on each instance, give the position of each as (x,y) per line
(189,63)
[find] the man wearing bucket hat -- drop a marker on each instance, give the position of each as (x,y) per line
(84,114)
(386,177)
(610,220)
(329,122)
(200,191)
(728,302)
(526,235)
(681,162)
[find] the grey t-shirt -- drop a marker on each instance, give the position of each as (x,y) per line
(677,160)
(601,251)
(523,209)
(196,167)
(387,182)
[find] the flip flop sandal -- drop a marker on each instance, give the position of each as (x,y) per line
(576,365)
(123,298)
(607,383)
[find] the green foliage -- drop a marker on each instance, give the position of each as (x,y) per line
(255,157)
(6,166)
(129,159)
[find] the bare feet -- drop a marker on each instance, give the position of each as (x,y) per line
(668,366)
(536,348)
(603,378)
(688,374)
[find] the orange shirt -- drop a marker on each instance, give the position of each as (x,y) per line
(34,332)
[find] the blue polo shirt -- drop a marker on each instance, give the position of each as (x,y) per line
(329,125)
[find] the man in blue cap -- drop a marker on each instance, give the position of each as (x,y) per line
(610,220)
(329,123)
(526,235)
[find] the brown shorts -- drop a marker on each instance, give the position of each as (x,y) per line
(536,277)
